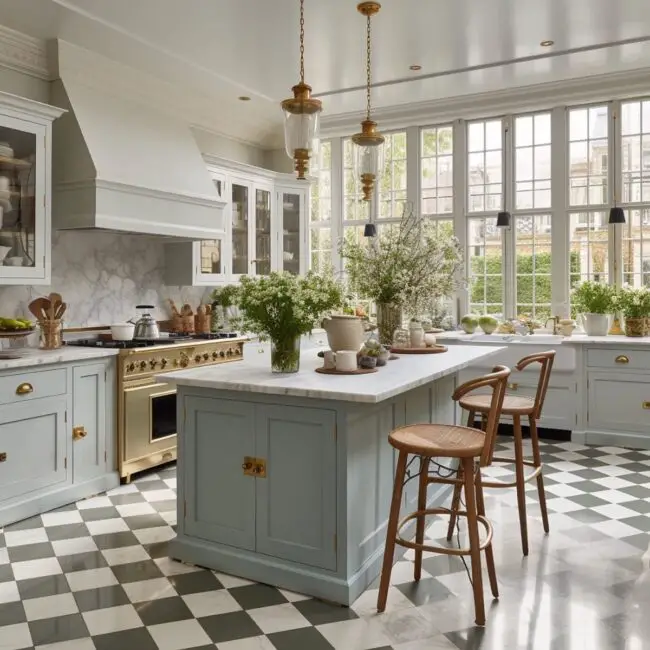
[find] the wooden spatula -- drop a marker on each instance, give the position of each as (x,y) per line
(40,307)
(55,300)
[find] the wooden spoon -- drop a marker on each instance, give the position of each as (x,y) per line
(60,310)
(55,301)
(39,308)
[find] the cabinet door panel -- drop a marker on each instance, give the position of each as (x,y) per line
(89,412)
(619,402)
(220,499)
(33,441)
(296,502)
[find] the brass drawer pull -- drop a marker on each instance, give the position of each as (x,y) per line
(254,467)
(3,456)
(78,433)
(621,358)
(24,389)
(513,386)
(646,405)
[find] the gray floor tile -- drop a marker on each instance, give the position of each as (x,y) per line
(145,521)
(163,610)
(42,587)
(30,552)
(300,640)
(136,639)
(82,561)
(137,571)
(101,598)
(115,540)
(10,614)
(195,582)
(230,627)
(253,596)
(318,612)
(58,630)
(67,531)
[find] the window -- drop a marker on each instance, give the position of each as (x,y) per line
(636,248)
(485,267)
(354,207)
(533,268)
(533,161)
(588,144)
(392,185)
(635,151)
(436,170)
(320,235)
(484,166)
(589,247)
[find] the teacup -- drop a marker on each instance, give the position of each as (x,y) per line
(346,360)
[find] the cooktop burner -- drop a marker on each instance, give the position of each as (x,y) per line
(147,343)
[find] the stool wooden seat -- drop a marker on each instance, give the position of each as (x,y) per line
(468,445)
(517,407)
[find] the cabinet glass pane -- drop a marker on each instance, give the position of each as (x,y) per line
(17,197)
(211,256)
(239,229)
(262,232)
(291,232)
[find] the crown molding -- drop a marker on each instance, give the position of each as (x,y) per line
(595,88)
(23,54)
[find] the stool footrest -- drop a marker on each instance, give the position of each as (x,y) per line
(441,549)
(537,470)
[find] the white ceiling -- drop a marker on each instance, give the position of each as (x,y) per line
(227,48)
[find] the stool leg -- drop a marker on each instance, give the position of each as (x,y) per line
(391,531)
(489,555)
(422,504)
(537,459)
(474,542)
(521,484)
(455,503)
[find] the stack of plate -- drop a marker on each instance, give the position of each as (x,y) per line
(5,150)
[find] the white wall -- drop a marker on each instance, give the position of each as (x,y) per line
(278,161)
(24,85)
(219,145)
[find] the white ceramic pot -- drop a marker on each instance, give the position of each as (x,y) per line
(595,324)
(122,331)
(344,332)
(567,325)
(416,334)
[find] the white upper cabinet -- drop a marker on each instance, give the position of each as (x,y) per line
(265,229)
(25,190)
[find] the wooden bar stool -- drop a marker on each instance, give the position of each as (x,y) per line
(442,440)
(517,407)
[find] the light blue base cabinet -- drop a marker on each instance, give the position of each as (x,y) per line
(293,492)
(56,437)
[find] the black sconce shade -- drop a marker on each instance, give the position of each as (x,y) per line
(370,230)
(616,215)
(503,219)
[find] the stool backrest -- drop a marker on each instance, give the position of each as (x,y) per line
(497,380)
(545,359)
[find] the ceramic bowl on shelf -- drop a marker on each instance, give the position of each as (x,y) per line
(4,251)
(14,261)
(5,150)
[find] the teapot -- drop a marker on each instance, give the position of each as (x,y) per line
(344,332)
(146,326)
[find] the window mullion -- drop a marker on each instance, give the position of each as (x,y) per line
(337,201)
(615,180)
(560,214)
(508,240)
(460,191)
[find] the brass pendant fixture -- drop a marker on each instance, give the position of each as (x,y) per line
(301,114)
(369,150)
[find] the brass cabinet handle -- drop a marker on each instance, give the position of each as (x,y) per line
(78,433)
(24,389)
(646,405)
(3,456)
(168,455)
(513,386)
(246,466)
(621,358)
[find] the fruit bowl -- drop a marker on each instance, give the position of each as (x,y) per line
(10,327)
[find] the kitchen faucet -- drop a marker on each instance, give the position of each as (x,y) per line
(556,324)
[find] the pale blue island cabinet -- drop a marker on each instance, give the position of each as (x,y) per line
(287,479)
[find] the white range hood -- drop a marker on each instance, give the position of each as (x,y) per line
(121,166)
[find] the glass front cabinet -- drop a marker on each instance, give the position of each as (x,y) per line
(25,190)
(264,230)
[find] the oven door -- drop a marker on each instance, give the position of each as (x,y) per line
(149,420)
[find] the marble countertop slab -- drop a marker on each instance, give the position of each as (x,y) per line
(30,357)
(615,341)
(253,375)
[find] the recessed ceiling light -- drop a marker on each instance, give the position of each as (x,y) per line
(415,67)
(244,98)
(547,43)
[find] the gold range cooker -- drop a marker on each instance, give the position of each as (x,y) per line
(146,409)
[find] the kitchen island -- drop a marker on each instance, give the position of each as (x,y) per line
(287,479)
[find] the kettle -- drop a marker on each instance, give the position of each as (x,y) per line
(146,326)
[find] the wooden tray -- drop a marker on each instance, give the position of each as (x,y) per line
(334,371)
(435,349)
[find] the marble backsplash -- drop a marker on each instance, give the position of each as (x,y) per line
(102,276)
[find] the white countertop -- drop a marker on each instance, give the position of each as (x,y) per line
(35,357)
(544,339)
(253,375)
(581,339)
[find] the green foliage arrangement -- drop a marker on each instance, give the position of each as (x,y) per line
(594,298)
(225,296)
(410,265)
(633,303)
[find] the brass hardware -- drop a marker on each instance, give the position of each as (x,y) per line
(513,386)
(168,455)
(254,467)
(206,356)
(153,363)
(163,363)
(78,433)
(3,456)
(184,360)
(222,354)
(215,355)
(556,324)
(197,358)
(646,405)
(621,358)
(143,365)
(131,367)
(24,389)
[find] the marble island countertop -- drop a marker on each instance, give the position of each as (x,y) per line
(542,338)
(29,357)
(254,375)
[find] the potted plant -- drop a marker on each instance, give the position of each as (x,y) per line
(634,304)
(488,323)
(282,307)
(408,268)
(595,301)
(224,304)
(469,323)
(369,357)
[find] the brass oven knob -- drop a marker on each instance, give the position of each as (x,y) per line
(153,363)
(215,355)
(131,367)
(229,353)
(197,358)
(206,356)
(222,354)
(163,362)
(184,361)
(143,365)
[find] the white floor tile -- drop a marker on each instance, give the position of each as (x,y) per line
(155,535)
(170,567)
(357,634)
(170,482)
(50,607)
(180,635)
(123,489)
(61,518)
(24,537)
(134,509)
(278,618)
(208,603)
(292,596)
(91,579)
(112,619)
(439,642)
(149,590)
(77,644)
(253,643)
(229,582)
(74,546)
(104,526)
(159,495)
(15,637)
(36,568)
(4,556)
(125,555)
(8,592)
(95,502)
(615,511)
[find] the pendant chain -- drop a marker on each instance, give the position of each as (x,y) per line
(302,41)
(368,56)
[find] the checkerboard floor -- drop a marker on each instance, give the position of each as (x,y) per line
(95,576)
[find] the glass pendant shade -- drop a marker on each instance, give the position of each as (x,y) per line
(368,157)
(301,126)
(616,215)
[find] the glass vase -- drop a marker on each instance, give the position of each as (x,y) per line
(389,318)
(285,355)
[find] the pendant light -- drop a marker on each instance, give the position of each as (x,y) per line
(370,230)
(504,218)
(369,149)
(301,114)
(616,214)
